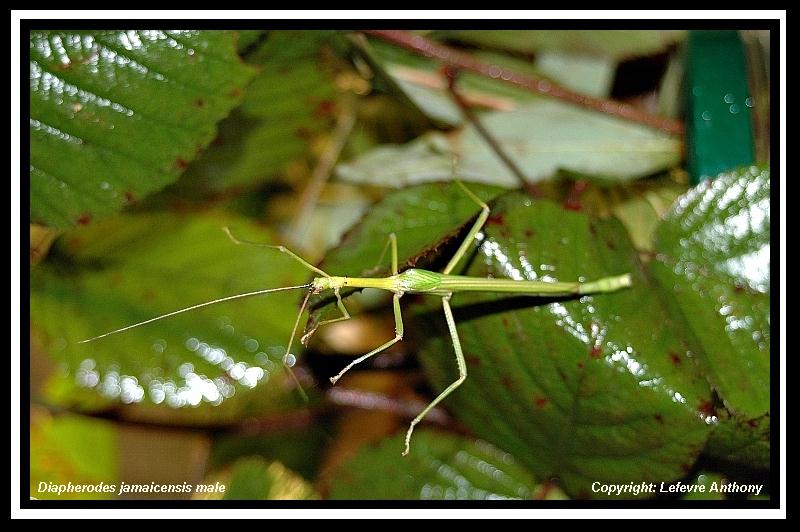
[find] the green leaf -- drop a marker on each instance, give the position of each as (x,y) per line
(542,137)
(608,43)
(641,213)
(300,448)
(290,101)
(441,467)
(713,266)
(545,136)
(670,90)
(247,38)
(117,115)
(601,388)
(128,269)
(582,73)
(741,441)
(72,449)
(422,217)
(256,479)
(425,159)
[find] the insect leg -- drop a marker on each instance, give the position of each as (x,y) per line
(477,226)
(391,241)
(282,249)
(462,371)
(345,316)
(398,331)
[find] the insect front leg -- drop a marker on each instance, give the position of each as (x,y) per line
(476,227)
(345,316)
(283,249)
(462,371)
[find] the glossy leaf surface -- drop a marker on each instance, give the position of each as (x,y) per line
(117,115)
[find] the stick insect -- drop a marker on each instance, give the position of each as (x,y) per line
(410,281)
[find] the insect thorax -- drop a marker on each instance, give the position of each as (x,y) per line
(416,280)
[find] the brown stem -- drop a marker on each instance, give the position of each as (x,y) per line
(366,400)
(281,421)
(312,192)
(463,61)
(472,118)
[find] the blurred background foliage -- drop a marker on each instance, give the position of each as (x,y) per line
(145,143)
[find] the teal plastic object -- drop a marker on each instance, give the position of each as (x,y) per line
(719,128)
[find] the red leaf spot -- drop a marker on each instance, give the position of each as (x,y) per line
(448,71)
(706,408)
(752,423)
(508,383)
(235,92)
(504,319)
(659,418)
(547,487)
(686,467)
(540,401)
(129,197)
(415,298)
(580,365)
(84,219)
(674,358)
(497,219)
(178,205)
(472,360)
(181,163)
(592,229)
(529,233)
(325,108)
(302,133)
(596,351)
(573,201)
(610,245)
(199,102)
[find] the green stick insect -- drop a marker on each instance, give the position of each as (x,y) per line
(411,281)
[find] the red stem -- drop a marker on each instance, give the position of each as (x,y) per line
(463,61)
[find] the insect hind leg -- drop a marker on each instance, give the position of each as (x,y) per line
(462,372)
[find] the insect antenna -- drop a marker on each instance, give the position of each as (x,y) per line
(199,305)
